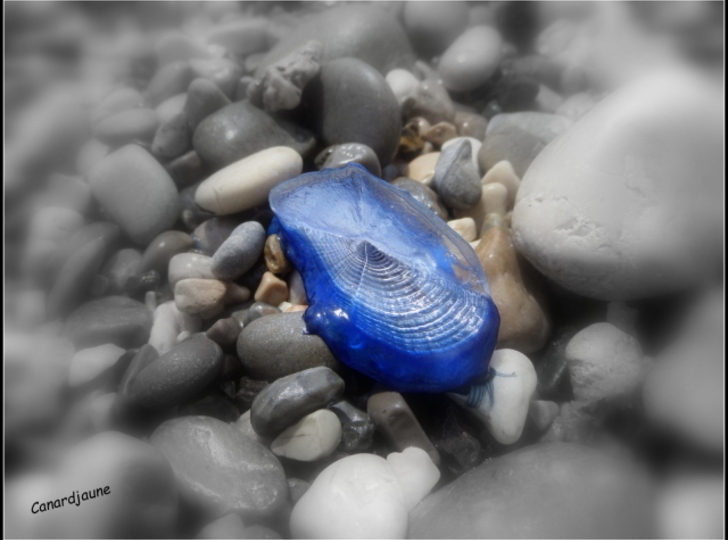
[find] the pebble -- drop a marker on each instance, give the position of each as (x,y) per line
(247,182)
(313,437)
(172,138)
(422,194)
(161,250)
(275,259)
(339,155)
(272,290)
(576,106)
(689,506)
(211,233)
(144,356)
(475,145)
(360,496)
(456,180)
(470,125)
(239,252)
(431,101)
(465,227)
(90,153)
(403,84)
(244,425)
(375,121)
(416,473)
(220,469)
(170,80)
(228,526)
(422,168)
(223,72)
(171,107)
(241,36)
(179,374)
(70,192)
(296,289)
(136,125)
(472,59)
(119,267)
(90,364)
(240,130)
(395,420)
(136,192)
(113,319)
(650,232)
(118,100)
(290,398)
(605,498)
(433,26)
(503,173)
(256,311)
(204,97)
(225,332)
(356,426)
(189,266)
(186,170)
(197,296)
(174,46)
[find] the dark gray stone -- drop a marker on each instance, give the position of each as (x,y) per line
(433,26)
(357,428)
(555,490)
(241,129)
(136,125)
(119,267)
(221,470)
(349,101)
(143,358)
(256,311)
(290,398)
(186,170)
(204,97)
(172,138)
(239,252)
(179,374)
(431,102)
(339,155)
(456,180)
(225,331)
(366,32)
(170,80)
(275,346)
(212,403)
(114,319)
(162,249)
(422,194)
(297,488)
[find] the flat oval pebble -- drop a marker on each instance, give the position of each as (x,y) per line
(118,100)
(313,437)
(113,319)
(471,60)
(136,192)
(127,127)
(432,26)
(220,469)
(204,97)
(170,80)
(246,183)
(197,296)
(242,36)
(88,364)
(172,138)
(189,266)
(178,374)
(277,345)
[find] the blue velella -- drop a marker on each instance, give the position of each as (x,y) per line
(393,291)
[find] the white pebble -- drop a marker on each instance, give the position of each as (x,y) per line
(313,437)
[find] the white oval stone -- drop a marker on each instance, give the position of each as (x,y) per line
(627,203)
(416,472)
(313,437)
(247,183)
(471,59)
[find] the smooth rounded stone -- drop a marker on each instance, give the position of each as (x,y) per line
(49,227)
(440,133)
(189,266)
(504,411)
(689,506)
(604,362)
(186,170)
(374,120)
(221,470)
(543,413)
(356,425)
(89,364)
(22,491)
(89,154)
(142,500)
(242,37)
(275,258)
(475,146)
(456,179)
(239,252)
(397,423)
(171,107)
(136,192)
(73,282)
(290,398)
(225,332)
(525,324)
(145,356)
(223,72)
(109,235)
(170,80)
(470,125)
(211,233)
(576,106)
(422,168)
(339,155)
(276,345)
(118,100)
(683,392)
(169,323)
(519,138)
(547,100)
(172,138)
(213,403)
(651,232)
(503,173)
(136,125)
(70,192)
(313,437)
(465,227)
(240,130)
(573,492)
(272,290)
(204,97)
(403,84)
(174,46)
(472,59)
(365,32)
(228,526)
(433,26)
(179,374)
(361,496)
(422,194)
(430,101)
(119,267)
(244,425)
(161,250)
(197,296)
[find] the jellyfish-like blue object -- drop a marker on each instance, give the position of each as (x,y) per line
(393,291)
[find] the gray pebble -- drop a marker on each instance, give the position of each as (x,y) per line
(239,252)
(241,37)
(256,311)
(143,358)
(431,102)
(75,277)
(223,72)
(275,346)
(456,180)
(212,233)
(432,26)
(296,489)
(172,138)
(118,100)
(228,526)
(170,80)
(137,125)
(339,155)
(113,319)
(171,106)
(179,374)
(422,194)
(225,332)
(290,398)
(356,425)
(186,170)
(204,97)
(162,249)
(119,267)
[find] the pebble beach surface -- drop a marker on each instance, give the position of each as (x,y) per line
(157,344)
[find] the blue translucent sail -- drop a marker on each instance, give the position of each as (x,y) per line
(393,291)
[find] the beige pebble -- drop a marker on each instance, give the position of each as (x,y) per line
(477,212)
(275,260)
(272,290)
(474,244)
(440,133)
(503,173)
(284,306)
(422,168)
(465,227)
(495,206)
(198,296)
